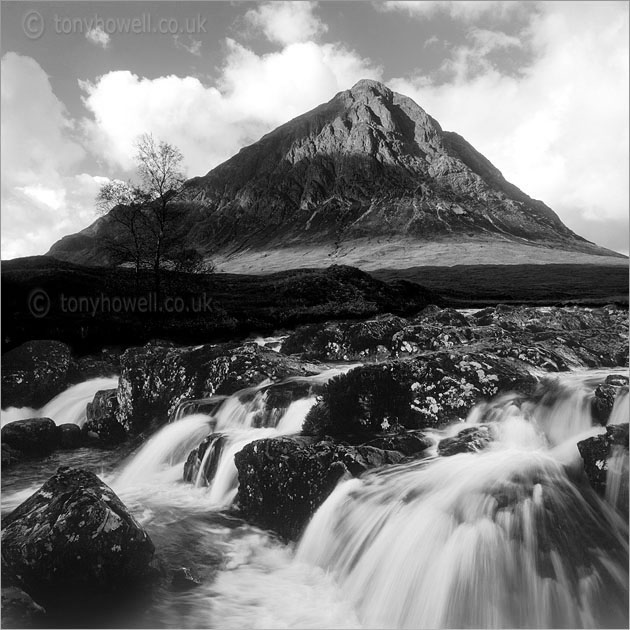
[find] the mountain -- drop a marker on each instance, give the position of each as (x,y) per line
(369,179)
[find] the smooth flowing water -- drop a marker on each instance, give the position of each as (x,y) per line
(511,536)
(67,407)
(503,538)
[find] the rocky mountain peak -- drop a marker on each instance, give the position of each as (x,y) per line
(370,166)
(370,86)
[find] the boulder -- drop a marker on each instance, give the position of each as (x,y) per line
(282,481)
(70,435)
(35,372)
(597,451)
(73,545)
(406,442)
(602,403)
(617,380)
(31,436)
(425,391)
(345,341)
(155,379)
(468,440)
(102,417)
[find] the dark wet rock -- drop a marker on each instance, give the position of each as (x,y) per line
(31,436)
(433,314)
(617,380)
(155,379)
(102,417)
(425,391)
(282,481)
(345,341)
(536,319)
(35,372)
(197,459)
(10,455)
(70,435)
(19,610)
(469,440)
(602,403)
(74,545)
(185,579)
(596,452)
(406,442)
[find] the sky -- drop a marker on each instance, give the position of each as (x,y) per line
(540,88)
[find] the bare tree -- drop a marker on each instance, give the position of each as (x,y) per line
(146,211)
(160,171)
(123,204)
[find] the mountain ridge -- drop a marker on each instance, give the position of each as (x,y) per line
(367,167)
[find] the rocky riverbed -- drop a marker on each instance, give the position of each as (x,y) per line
(269,428)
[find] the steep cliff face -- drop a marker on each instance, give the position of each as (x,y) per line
(370,166)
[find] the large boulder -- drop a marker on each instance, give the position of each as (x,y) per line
(70,435)
(468,440)
(156,378)
(282,481)
(603,402)
(73,545)
(426,391)
(102,417)
(31,436)
(345,341)
(35,372)
(599,452)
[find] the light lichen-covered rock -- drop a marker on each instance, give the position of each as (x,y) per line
(425,391)
(73,544)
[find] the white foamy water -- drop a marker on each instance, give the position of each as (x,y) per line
(67,407)
(507,537)
(236,419)
(502,538)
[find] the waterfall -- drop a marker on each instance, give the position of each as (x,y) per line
(231,423)
(164,450)
(67,407)
(499,538)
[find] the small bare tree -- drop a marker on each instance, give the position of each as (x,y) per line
(160,170)
(123,204)
(144,211)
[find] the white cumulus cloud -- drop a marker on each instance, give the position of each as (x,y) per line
(43,197)
(286,22)
(254,94)
(560,130)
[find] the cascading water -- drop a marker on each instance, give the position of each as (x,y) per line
(67,407)
(234,422)
(502,538)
